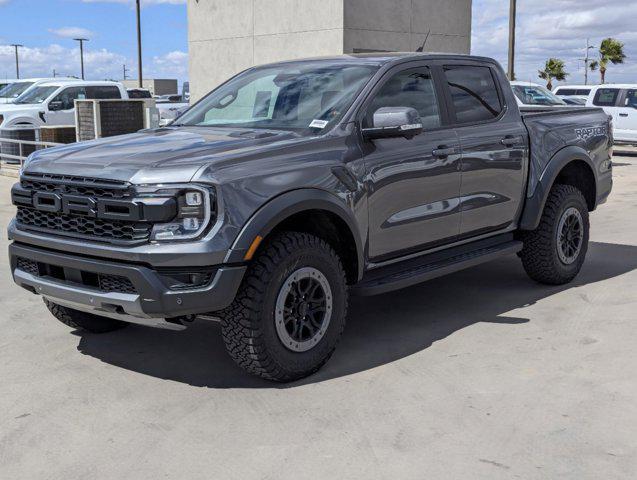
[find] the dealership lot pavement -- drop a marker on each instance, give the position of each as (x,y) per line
(479,375)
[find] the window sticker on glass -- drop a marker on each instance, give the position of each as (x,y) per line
(319,124)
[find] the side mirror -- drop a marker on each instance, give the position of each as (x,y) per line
(393,122)
(55,106)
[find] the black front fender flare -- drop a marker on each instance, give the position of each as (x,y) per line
(266,218)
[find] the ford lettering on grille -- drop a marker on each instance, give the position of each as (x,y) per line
(80,209)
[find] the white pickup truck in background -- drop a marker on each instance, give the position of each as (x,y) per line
(620,102)
(52,102)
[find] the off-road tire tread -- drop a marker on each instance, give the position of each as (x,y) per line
(83,321)
(539,248)
(241,328)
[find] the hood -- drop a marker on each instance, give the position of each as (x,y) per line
(14,107)
(160,155)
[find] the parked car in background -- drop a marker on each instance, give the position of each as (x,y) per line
(139,93)
(575,101)
(14,88)
(52,102)
(620,102)
(571,91)
(170,107)
(532,95)
(6,81)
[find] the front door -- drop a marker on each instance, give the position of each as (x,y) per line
(65,115)
(413,184)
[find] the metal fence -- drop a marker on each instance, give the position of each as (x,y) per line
(21,144)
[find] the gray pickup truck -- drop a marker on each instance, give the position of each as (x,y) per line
(297,184)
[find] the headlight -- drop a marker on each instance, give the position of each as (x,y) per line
(194,211)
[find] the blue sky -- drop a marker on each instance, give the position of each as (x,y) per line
(547,28)
(110,25)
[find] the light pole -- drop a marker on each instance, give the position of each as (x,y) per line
(512,15)
(81,40)
(586,61)
(139,44)
(17,63)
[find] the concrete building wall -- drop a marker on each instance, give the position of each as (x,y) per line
(227,36)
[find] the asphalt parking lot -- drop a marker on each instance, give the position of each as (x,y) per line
(479,375)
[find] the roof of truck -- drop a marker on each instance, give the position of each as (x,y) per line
(382,58)
(74,81)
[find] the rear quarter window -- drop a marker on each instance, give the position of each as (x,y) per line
(606,97)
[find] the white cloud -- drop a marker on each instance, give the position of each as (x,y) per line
(41,61)
(144,2)
(556,28)
(71,32)
(98,64)
(171,65)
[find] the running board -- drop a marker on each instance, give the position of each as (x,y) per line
(427,267)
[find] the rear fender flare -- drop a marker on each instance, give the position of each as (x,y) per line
(534,205)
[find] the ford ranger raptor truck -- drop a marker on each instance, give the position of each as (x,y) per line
(295,185)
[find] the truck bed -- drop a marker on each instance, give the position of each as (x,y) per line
(552,129)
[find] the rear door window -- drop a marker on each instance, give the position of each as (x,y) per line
(606,97)
(474,94)
(104,92)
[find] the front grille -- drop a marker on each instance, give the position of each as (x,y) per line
(90,187)
(101,281)
(116,283)
(83,226)
(77,224)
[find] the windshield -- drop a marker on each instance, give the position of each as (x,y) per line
(36,95)
(536,95)
(306,98)
(14,90)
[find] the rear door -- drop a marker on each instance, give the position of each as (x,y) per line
(413,184)
(608,99)
(494,148)
(626,119)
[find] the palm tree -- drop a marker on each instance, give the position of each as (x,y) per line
(610,51)
(554,69)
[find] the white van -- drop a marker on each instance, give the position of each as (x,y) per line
(620,102)
(52,102)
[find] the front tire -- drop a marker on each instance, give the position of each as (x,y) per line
(82,320)
(290,311)
(554,253)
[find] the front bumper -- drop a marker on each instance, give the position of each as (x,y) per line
(149,302)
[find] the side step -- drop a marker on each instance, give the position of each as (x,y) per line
(415,271)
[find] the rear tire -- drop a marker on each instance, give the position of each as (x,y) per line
(290,310)
(555,251)
(82,320)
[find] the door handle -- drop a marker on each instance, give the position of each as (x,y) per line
(623,114)
(511,141)
(443,151)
